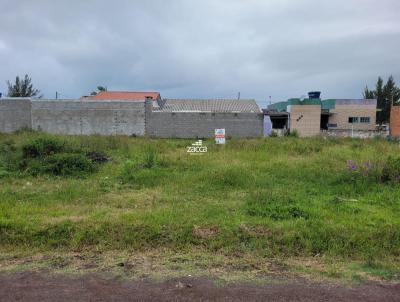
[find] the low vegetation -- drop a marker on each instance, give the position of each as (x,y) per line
(337,200)
(48,155)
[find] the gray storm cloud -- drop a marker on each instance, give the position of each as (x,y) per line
(202,48)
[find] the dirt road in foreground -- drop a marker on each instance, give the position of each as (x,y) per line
(29,286)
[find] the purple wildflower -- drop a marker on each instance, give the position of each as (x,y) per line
(351,165)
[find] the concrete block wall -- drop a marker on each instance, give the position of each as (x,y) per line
(89,117)
(77,117)
(395,121)
(203,125)
(15,113)
(305,119)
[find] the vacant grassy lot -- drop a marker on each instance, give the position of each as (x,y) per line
(298,201)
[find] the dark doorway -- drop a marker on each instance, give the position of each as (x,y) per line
(279,122)
(324,121)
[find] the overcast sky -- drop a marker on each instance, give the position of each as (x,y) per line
(201,48)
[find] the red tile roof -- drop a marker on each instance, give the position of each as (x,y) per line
(122,95)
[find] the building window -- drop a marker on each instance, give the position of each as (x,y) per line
(353,120)
(366,120)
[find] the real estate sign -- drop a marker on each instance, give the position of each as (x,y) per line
(220,136)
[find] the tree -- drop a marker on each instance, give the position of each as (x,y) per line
(22,88)
(386,95)
(368,94)
(99,89)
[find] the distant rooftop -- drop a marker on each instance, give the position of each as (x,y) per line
(122,95)
(325,104)
(209,105)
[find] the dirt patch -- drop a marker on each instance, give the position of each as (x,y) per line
(205,232)
(30,286)
(255,230)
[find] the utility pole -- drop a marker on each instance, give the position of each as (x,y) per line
(56,95)
(239,95)
(270,100)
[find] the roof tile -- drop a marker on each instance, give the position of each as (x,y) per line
(211,105)
(122,95)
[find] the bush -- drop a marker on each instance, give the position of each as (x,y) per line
(46,155)
(273,134)
(10,157)
(65,164)
(391,170)
(41,147)
(97,156)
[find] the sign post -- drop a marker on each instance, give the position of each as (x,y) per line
(220,136)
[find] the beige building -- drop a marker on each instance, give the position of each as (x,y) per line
(337,116)
(305,119)
(353,114)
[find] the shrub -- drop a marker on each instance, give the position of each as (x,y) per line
(41,147)
(65,164)
(273,134)
(97,156)
(10,157)
(391,170)
(46,155)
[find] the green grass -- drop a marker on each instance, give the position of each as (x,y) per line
(273,198)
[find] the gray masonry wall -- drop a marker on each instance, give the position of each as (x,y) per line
(76,117)
(89,117)
(203,125)
(15,113)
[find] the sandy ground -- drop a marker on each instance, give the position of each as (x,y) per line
(31,286)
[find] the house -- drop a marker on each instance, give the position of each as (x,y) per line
(124,96)
(303,116)
(337,116)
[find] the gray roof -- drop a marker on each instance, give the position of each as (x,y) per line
(211,105)
(367,102)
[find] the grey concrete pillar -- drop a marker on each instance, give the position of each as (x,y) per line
(148,108)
